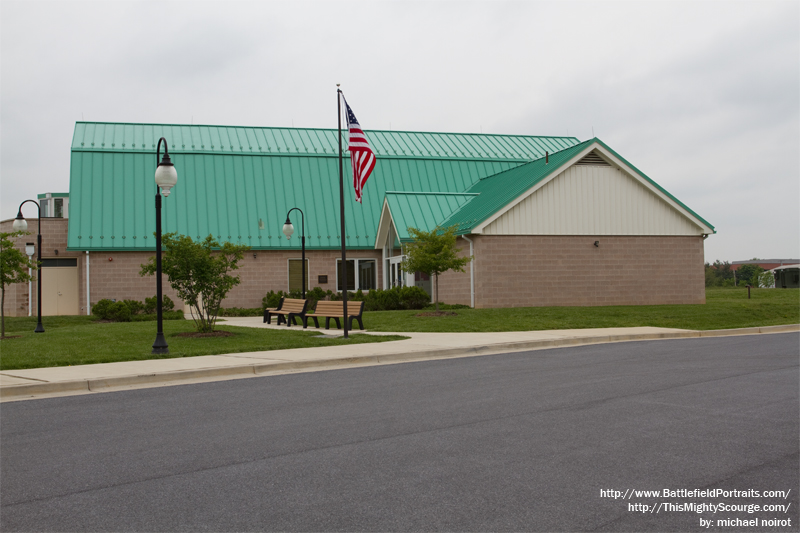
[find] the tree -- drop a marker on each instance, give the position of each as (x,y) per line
(718,273)
(199,272)
(14,267)
(433,253)
(748,274)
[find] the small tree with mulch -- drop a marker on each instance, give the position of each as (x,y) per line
(200,273)
(14,267)
(433,252)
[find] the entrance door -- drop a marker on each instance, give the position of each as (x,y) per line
(395,272)
(60,287)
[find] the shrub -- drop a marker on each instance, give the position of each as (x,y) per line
(297,294)
(395,299)
(135,306)
(382,300)
(100,309)
(272,299)
(150,305)
(414,297)
(239,311)
(314,295)
(119,312)
(448,307)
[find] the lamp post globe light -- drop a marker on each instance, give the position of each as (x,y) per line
(288,230)
(20,224)
(166,178)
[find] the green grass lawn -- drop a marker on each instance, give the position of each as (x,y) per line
(724,309)
(80,340)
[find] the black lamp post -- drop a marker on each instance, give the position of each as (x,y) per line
(21,225)
(166,178)
(288,229)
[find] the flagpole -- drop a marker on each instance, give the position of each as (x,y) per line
(341,202)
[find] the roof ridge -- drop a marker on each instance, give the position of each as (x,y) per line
(435,193)
(471,134)
(535,160)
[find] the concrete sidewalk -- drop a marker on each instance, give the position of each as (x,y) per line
(105,377)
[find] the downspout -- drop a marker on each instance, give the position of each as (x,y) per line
(88,302)
(471,272)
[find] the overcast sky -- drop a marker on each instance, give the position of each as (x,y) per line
(704,97)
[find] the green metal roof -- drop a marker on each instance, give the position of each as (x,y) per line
(242,194)
(200,139)
(497,191)
(423,211)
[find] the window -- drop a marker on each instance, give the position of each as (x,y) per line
(361,274)
(296,274)
(59,208)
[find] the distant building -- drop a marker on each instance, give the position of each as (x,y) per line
(766,264)
(550,221)
(787,276)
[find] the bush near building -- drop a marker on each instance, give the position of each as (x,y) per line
(132,310)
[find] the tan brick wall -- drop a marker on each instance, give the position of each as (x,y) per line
(269,270)
(520,271)
(454,286)
(510,271)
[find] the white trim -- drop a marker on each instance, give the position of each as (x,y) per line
(479,229)
(383,230)
(655,190)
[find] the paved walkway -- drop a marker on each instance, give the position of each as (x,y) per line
(104,377)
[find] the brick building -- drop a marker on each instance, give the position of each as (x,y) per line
(548,220)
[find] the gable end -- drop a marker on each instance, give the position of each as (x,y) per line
(593,158)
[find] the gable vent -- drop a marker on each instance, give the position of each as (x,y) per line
(593,159)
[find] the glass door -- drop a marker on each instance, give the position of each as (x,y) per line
(396,275)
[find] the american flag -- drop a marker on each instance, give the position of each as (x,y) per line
(362,157)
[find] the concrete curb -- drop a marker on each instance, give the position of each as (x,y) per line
(96,385)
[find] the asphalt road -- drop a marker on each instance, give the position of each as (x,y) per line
(526,442)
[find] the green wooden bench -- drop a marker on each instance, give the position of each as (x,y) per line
(335,310)
(290,310)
